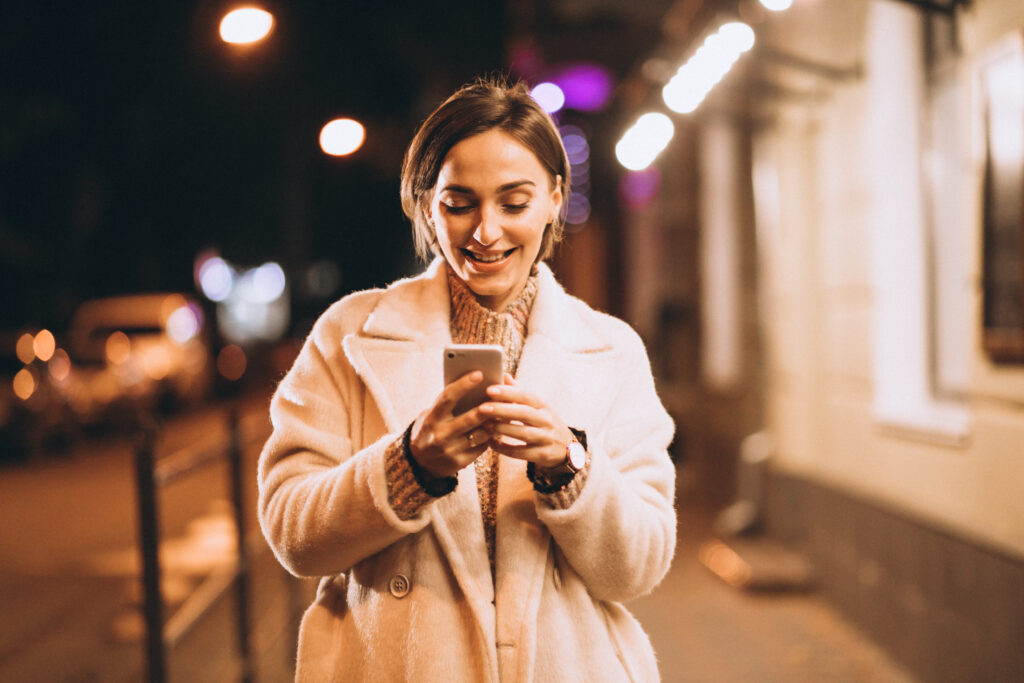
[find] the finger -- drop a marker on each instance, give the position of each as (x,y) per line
(528,434)
(514,394)
(517,451)
(467,421)
(451,394)
(509,379)
(512,411)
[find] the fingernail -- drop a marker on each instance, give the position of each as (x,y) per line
(494,390)
(476,376)
(486,408)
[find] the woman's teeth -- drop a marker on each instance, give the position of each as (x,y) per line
(488,258)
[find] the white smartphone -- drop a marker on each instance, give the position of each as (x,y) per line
(461,359)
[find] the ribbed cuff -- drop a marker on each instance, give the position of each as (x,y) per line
(562,494)
(561,491)
(406,496)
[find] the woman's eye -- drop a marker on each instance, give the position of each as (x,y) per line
(457,210)
(517,208)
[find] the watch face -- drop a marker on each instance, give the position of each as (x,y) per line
(577,455)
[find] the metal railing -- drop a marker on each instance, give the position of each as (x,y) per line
(152,474)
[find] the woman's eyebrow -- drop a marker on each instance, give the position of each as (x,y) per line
(514,184)
(462,189)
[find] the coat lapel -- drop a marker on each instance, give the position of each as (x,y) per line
(397,354)
(558,364)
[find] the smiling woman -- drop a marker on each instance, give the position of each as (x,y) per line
(492,205)
(493,544)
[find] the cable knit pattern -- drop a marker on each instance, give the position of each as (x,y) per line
(472,323)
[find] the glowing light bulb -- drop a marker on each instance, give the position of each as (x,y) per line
(341,137)
(246,25)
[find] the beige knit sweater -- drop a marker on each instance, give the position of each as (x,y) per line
(472,323)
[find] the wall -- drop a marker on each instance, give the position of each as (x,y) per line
(814,168)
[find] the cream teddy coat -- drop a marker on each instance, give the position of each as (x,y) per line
(414,600)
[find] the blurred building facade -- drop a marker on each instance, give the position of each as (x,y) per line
(824,262)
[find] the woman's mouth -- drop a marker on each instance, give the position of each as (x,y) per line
(489,257)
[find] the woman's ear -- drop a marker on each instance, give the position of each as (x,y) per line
(428,215)
(556,198)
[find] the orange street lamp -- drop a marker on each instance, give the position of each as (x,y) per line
(246,25)
(341,137)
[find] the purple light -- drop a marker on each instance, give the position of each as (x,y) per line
(637,188)
(579,209)
(549,96)
(587,86)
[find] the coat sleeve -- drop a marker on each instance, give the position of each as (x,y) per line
(619,534)
(323,505)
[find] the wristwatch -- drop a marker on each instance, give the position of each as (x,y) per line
(575,459)
(558,477)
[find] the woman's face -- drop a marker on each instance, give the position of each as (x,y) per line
(489,207)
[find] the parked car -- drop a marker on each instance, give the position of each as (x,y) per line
(143,349)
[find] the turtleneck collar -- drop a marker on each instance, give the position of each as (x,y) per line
(473,323)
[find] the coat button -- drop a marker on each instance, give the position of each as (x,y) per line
(399,585)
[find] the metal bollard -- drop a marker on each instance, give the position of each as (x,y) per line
(242,579)
(156,661)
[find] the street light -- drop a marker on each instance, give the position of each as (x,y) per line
(246,25)
(341,137)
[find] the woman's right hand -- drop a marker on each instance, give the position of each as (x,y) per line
(442,443)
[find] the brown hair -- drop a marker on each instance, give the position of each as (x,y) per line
(476,108)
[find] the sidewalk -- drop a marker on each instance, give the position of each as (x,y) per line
(68,577)
(705,631)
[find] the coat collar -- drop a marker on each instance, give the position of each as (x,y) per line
(417,309)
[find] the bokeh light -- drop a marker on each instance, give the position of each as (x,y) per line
(44,345)
(576,148)
(777,5)
(118,348)
(216,278)
(263,284)
(26,354)
(60,365)
(24,384)
(341,137)
(579,209)
(231,362)
(587,86)
(246,25)
(644,141)
(157,362)
(549,96)
(638,188)
(714,58)
(184,323)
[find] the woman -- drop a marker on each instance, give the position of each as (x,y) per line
(498,544)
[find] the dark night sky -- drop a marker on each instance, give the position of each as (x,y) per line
(131,138)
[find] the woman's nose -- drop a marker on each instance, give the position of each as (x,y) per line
(488,231)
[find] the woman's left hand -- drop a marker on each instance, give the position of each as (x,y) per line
(514,412)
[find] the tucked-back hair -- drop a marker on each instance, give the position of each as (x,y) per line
(486,104)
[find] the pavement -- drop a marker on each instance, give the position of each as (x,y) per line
(69,589)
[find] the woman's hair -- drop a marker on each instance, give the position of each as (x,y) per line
(484,105)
